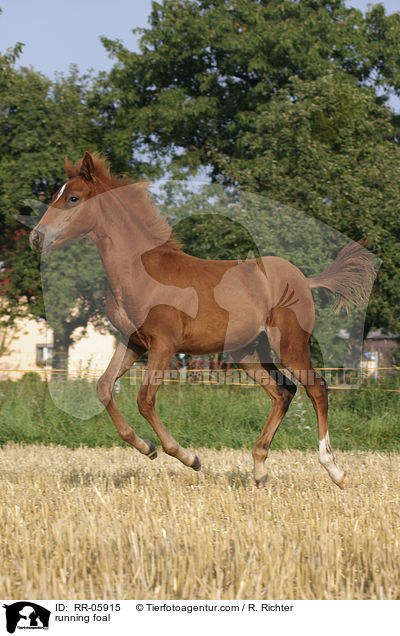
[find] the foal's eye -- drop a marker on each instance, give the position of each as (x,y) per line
(73,199)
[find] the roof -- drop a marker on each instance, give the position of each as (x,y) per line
(380,334)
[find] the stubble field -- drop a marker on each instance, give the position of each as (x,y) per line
(107,523)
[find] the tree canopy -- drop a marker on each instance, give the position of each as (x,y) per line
(286,99)
(42,121)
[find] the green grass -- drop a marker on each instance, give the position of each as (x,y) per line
(200,415)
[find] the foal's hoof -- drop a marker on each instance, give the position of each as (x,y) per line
(196,464)
(261,483)
(152,454)
(342,484)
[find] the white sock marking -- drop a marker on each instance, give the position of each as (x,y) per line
(327,460)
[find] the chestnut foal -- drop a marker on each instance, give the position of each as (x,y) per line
(164,301)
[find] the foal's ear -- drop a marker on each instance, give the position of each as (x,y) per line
(87,170)
(69,168)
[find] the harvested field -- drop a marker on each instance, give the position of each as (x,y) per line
(108,523)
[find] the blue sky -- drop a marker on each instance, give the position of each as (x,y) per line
(58,33)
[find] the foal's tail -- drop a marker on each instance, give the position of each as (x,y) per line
(350,276)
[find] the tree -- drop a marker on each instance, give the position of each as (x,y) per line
(8,59)
(282,98)
(234,224)
(40,123)
(74,292)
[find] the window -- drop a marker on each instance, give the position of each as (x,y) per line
(44,354)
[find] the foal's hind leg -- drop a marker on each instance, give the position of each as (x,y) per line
(292,350)
(317,391)
(122,360)
(281,391)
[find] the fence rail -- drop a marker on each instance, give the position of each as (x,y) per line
(205,376)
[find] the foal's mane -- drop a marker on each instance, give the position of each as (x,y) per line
(146,212)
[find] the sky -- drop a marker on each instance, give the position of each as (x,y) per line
(58,33)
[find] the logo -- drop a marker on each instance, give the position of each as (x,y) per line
(26,615)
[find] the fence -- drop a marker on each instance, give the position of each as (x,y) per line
(338,378)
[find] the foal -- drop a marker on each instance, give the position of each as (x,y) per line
(164,301)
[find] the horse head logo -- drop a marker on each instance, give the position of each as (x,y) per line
(25,614)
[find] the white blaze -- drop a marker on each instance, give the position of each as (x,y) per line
(61,192)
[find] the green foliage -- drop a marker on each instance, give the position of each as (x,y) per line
(281,98)
(286,99)
(74,293)
(8,59)
(214,222)
(41,122)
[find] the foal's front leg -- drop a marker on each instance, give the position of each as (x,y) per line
(159,359)
(122,360)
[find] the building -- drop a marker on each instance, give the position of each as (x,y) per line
(29,348)
(382,346)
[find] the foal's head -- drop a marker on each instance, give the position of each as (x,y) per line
(93,202)
(68,217)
